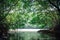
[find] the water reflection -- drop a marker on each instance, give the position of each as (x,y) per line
(30,36)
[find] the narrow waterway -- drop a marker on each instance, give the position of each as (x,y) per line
(29,34)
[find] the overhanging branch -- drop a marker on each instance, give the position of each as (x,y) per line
(54,5)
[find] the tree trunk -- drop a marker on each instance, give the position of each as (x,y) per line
(3,31)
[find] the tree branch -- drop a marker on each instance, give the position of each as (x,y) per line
(54,5)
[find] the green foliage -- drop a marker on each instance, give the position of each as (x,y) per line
(28,14)
(31,13)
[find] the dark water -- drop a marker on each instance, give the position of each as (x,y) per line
(30,36)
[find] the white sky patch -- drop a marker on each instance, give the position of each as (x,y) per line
(51,9)
(12,11)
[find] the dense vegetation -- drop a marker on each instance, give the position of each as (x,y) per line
(32,14)
(28,14)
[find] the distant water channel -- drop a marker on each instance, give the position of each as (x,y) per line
(30,36)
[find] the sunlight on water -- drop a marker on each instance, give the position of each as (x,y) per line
(25,30)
